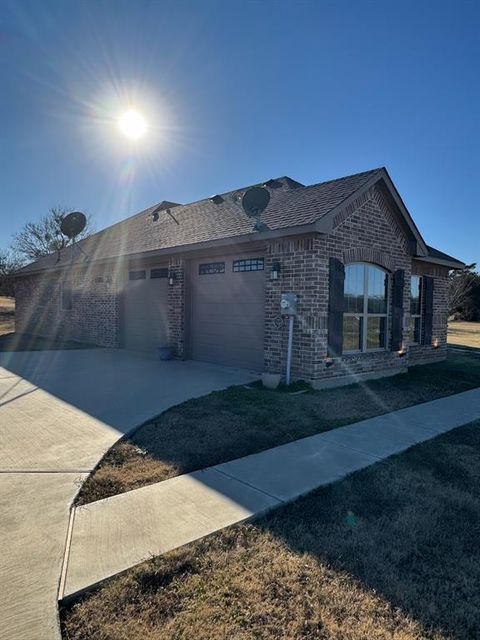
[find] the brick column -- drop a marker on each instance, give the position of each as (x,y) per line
(300,273)
(176,307)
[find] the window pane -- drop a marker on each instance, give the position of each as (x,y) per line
(376,333)
(415,329)
(354,288)
(249,264)
(211,267)
(415,296)
(66,298)
(352,333)
(160,272)
(137,275)
(377,290)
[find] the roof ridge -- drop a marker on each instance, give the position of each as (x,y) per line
(226,193)
(352,175)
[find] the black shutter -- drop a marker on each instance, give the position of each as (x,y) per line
(428,311)
(336,281)
(397,309)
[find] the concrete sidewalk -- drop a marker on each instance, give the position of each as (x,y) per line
(59,412)
(111,535)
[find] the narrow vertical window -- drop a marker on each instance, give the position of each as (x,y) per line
(66,296)
(415,330)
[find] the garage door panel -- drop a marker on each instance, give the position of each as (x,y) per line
(217,315)
(228,315)
(146,313)
(243,343)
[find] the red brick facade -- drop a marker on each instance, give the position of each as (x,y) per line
(367,231)
(94,317)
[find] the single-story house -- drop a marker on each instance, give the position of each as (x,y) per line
(206,279)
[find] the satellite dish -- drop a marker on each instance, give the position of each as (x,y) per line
(255,200)
(73,224)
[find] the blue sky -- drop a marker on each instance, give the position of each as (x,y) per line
(237,92)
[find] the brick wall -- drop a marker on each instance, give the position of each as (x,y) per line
(427,353)
(93,318)
(176,307)
(368,232)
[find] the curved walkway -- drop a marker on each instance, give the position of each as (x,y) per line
(59,412)
(113,534)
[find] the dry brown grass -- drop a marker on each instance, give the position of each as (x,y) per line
(238,421)
(7,315)
(390,552)
(466,334)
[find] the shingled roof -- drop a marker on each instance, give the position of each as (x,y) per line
(167,225)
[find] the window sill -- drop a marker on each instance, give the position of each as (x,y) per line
(370,352)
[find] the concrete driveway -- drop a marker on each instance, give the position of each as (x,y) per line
(59,412)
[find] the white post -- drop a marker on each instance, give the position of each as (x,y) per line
(289,350)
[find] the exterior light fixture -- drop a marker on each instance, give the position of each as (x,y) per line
(329,362)
(171,277)
(275,271)
(402,351)
(436,343)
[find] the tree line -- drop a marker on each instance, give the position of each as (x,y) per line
(464,294)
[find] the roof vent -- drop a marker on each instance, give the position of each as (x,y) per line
(216,199)
(165,204)
(273,184)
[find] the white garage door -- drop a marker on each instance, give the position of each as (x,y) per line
(228,307)
(146,309)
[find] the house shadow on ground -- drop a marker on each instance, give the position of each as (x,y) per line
(389,552)
(407,528)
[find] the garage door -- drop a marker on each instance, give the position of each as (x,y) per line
(228,302)
(146,308)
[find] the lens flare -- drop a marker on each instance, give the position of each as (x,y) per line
(132,124)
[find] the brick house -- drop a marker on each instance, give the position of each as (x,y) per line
(206,280)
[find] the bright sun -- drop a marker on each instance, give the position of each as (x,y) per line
(132,124)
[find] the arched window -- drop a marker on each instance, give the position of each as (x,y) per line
(366,308)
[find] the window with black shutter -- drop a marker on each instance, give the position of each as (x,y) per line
(416,300)
(335,307)
(428,310)
(397,310)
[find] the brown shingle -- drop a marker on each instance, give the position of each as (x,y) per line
(290,205)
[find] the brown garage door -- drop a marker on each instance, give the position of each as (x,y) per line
(145,309)
(228,302)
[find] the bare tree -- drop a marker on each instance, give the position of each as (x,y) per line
(460,286)
(9,263)
(41,238)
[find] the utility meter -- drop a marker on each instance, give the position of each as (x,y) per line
(288,304)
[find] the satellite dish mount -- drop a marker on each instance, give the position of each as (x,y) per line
(254,202)
(71,226)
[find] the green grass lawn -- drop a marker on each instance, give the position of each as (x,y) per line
(391,552)
(239,421)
